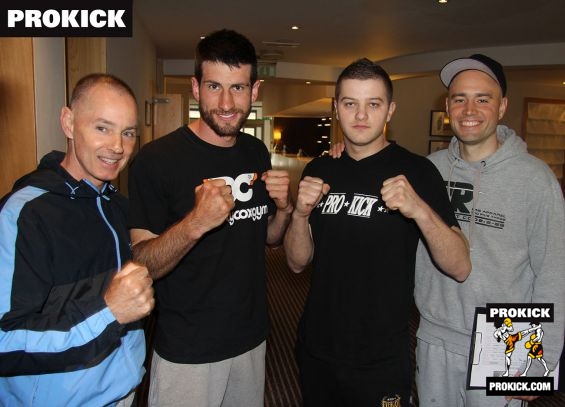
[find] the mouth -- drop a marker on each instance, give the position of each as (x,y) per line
(227,115)
(469,123)
(110,161)
(360,126)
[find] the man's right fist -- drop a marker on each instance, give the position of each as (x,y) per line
(130,293)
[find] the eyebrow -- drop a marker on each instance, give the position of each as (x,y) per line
(373,99)
(479,94)
(111,123)
(209,81)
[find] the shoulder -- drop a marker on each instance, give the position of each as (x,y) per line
(537,174)
(324,162)
(165,143)
(248,140)
(161,150)
(412,161)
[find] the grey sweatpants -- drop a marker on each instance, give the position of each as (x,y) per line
(235,382)
(441,379)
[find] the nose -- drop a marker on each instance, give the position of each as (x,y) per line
(360,113)
(226,102)
(469,108)
(117,143)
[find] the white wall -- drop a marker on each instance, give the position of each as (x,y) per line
(49,83)
(134,60)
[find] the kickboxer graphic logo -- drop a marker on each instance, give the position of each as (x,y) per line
(506,332)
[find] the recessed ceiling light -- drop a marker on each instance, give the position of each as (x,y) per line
(294,27)
(442,1)
(308,82)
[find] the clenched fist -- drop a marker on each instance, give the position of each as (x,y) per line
(130,293)
(213,203)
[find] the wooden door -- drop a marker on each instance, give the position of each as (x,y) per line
(167,114)
(17,111)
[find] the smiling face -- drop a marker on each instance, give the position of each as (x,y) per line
(363,109)
(101,128)
(475,105)
(224,96)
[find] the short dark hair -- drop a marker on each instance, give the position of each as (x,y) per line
(364,69)
(87,82)
(228,47)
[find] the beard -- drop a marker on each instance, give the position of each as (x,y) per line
(224,129)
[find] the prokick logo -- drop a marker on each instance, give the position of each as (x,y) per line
(64,18)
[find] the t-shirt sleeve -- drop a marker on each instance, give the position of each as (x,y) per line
(147,196)
(431,188)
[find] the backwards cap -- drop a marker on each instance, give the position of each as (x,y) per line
(476,62)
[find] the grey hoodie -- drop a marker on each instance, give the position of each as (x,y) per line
(515,225)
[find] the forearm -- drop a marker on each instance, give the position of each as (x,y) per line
(162,253)
(448,246)
(277,226)
(40,350)
(298,243)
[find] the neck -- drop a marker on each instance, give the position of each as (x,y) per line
(358,152)
(205,133)
(478,152)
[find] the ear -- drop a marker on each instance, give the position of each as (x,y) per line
(255,90)
(391,109)
(195,88)
(335,109)
(502,107)
(67,122)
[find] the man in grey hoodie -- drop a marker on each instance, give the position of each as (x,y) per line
(511,208)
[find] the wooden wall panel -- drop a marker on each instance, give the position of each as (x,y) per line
(17,111)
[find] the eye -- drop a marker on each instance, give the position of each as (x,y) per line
(102,129)
(129,134)
(214,87)
(238,88)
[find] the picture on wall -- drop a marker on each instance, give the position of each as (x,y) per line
(436,145)
(439,124)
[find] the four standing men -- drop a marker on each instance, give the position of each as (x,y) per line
(205,201)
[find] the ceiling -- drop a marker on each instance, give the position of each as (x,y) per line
(336,32)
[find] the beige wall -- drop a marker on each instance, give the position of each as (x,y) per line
(134,60)
(50,91)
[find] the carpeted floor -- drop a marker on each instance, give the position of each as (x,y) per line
(286,294)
